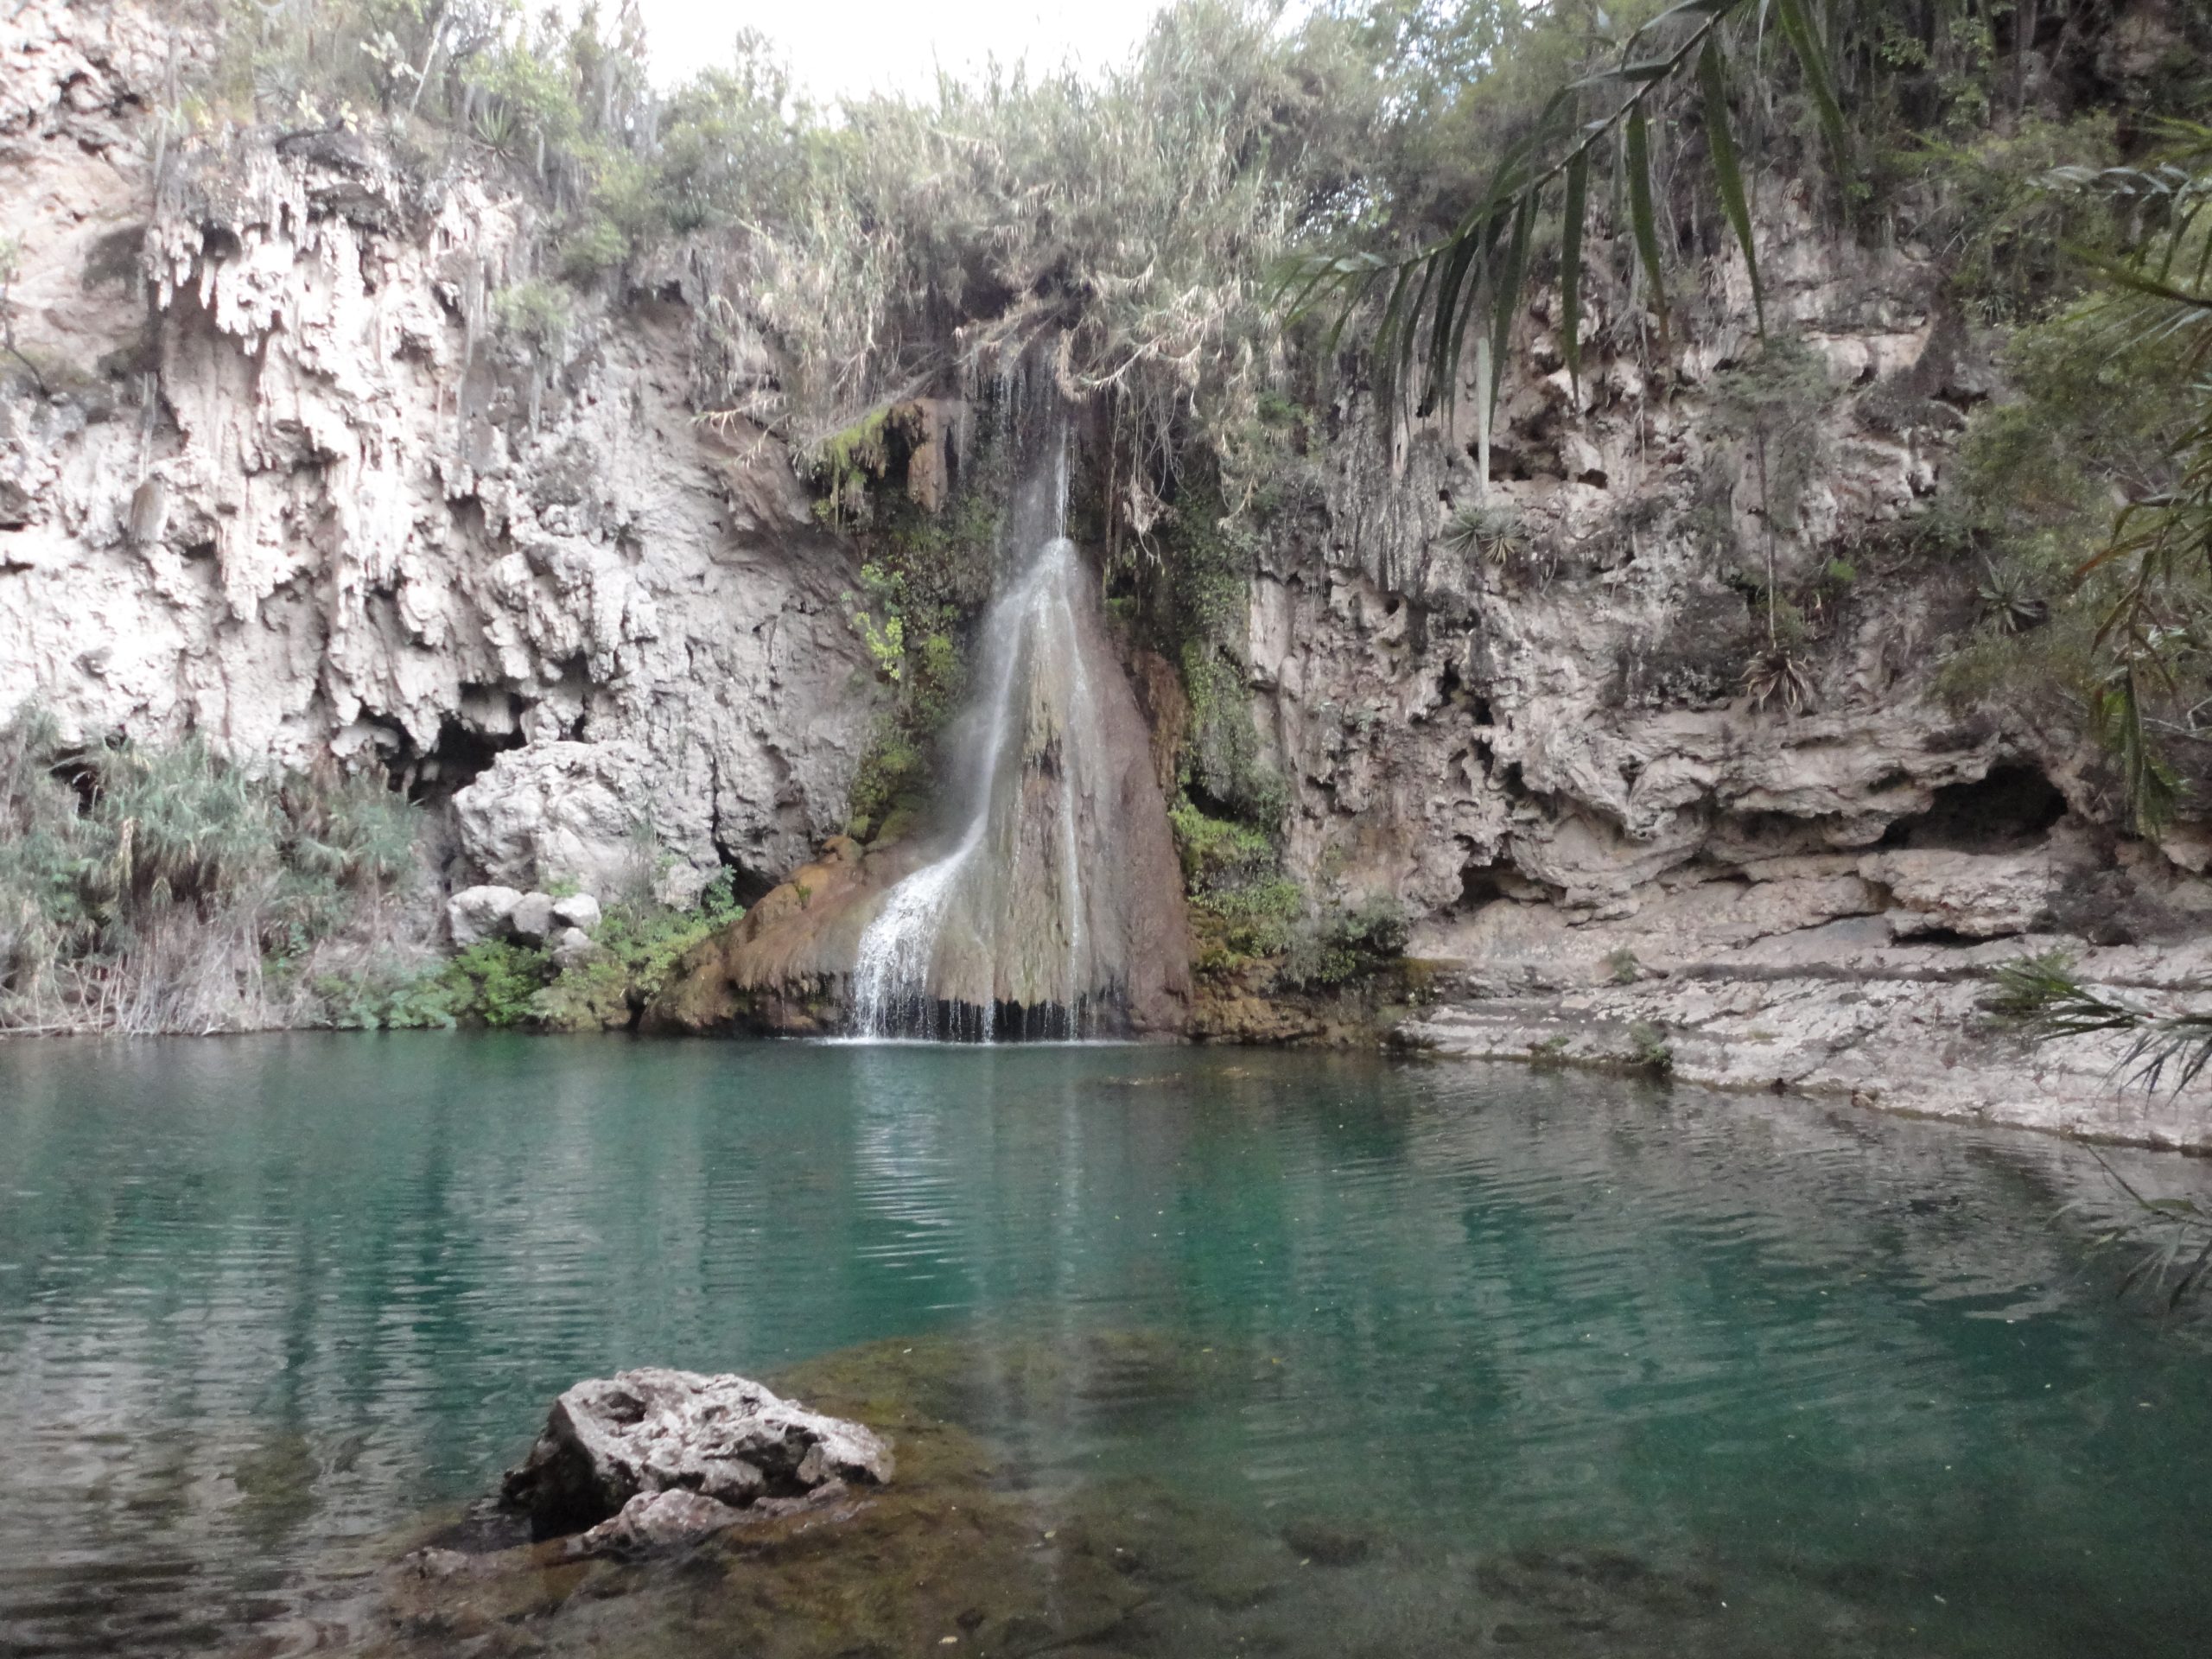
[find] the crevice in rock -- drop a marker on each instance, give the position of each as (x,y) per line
(2011,809)
(461,754)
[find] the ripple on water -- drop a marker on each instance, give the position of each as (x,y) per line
(1542,1347)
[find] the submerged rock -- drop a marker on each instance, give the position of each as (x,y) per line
(725,1440)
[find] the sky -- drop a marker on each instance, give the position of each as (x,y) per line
(842,47)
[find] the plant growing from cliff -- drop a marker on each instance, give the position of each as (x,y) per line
(149,887)
(2011,603)
(2152,661)
(1244,909)
(1650,1049)
(1345,944)
(1491,533)
(2102,618)
(2029,500)
(1774,403)
(2042,997)
(1777,677)
(1599,124)
(536,313)
(11,263)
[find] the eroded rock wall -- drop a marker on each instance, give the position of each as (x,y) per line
(1547,745)
(274,468)
(1562,714)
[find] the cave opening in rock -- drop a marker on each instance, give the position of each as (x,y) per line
(2013,807)
(461,755)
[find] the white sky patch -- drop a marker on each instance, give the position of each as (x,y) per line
(842,49)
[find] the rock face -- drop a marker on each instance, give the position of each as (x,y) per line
(613,1445)
(482,913)
(532,919)
(578,910)
(1560,713)
(291,485)
(572,945)
(285,479)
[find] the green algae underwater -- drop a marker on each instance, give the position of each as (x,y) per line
(1182,1352)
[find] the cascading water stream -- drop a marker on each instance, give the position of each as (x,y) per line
(998,929)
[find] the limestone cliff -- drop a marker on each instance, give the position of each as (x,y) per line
(1551,742)
(273,468)
(279,464)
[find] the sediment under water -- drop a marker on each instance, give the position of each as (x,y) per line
(1358,1356)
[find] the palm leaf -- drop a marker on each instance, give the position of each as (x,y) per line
(1712,80)
(1508,295)
(1570,277)
(1812,58)
(1645,220)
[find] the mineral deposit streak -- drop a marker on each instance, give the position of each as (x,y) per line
(996,937)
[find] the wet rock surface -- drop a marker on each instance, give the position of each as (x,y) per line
(654,1456)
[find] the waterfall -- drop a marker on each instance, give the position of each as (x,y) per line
(1014,930)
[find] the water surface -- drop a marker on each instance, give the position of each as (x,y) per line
(1831,1383)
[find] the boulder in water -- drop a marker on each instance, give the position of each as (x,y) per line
(611,1440)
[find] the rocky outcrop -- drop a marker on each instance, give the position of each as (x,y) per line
(481,913)
(491,912)
(1559,705)
(296,486)
(653,1455)
(783,966)
(1859,977)
(283,460)
(1845,1012)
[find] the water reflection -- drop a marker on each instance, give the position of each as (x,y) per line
(264,1301)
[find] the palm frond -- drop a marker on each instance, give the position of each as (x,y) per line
(1432,292)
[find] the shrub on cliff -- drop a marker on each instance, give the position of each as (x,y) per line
(500,985)
(159,887)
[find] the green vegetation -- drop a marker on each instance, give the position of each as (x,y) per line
(502,985)
(1774,403)
(1245,911)
(1242,908)
(146,888)
(1422,166)
(1650,1049)
(1345,944)
(925,579)
(2086,618)
(156,888)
